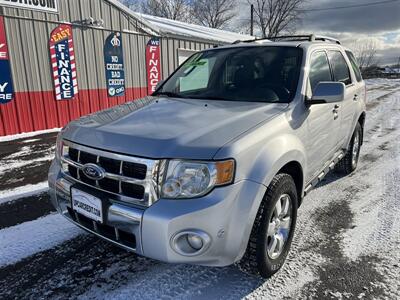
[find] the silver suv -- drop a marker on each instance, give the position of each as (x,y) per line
(212,167)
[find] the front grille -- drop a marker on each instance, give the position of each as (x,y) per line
(132,179)
(116,235)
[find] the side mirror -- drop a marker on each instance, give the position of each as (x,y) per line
(328,92)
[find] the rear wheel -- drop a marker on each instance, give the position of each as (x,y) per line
(273,229)
(349,163)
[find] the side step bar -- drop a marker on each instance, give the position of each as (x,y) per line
(322,175)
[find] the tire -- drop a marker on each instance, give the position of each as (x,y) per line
(259,259)
(349,162)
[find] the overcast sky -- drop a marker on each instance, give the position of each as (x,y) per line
(378,22)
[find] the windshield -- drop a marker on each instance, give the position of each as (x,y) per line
(262,74)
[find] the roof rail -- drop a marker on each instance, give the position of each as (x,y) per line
(308,37)
(293,38)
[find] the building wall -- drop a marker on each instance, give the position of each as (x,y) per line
(28,32)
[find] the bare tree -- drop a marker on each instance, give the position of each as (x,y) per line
(365,52)
(132,4)
(213,13)
(170,9)
(273,17)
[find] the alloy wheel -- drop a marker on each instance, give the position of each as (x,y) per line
(356,149)
(279,226)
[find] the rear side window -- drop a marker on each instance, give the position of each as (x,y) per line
(354,65)
(319,69)
(340,68)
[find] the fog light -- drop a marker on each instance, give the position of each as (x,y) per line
(195,241)
(190,242)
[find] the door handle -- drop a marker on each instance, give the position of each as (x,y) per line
(335,115)
(335,111)
(355,97)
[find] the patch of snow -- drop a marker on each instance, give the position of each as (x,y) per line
(19,136)
(23,191)
(21,158)
(191,30)
(25,150)
(24,240)
(31,141)
(16,164)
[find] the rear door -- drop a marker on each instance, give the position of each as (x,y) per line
(341,73)
(323,124)
(359,86)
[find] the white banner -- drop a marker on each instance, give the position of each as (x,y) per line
(44,5)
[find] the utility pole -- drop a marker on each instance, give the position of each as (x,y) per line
(251,19)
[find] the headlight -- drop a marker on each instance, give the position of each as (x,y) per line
(189,179)
(61,148)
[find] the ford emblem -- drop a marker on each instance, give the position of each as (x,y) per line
(93,171)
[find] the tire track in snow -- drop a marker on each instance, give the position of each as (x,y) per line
(68,269)
(377,219)
(364,274)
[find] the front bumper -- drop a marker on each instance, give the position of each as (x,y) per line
(225,217)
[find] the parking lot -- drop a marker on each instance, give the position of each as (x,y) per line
(347,241)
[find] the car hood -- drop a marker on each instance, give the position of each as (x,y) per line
(168,127)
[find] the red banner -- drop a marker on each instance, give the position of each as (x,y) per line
(63,62)
(6,84)
(153,64)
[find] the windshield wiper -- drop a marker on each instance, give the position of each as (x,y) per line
(210,98)
(168,94)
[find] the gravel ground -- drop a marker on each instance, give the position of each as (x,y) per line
(346,246)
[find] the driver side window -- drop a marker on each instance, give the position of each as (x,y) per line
(319,69)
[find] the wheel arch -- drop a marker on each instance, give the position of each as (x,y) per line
(361,121)
(295,170)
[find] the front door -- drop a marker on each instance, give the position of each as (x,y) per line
(323,121)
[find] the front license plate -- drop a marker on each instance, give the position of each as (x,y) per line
(87,205)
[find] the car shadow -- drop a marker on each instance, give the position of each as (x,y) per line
(328,179)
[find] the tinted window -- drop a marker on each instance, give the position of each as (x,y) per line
(319,69)
(263,74)
(340,68)
(354,64)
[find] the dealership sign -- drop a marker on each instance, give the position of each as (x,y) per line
(44,5)
(114,65)
(63,62)
(6,85)
(153,64)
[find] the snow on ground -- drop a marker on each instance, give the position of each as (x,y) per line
(346,245)
(15,164)
(27,134)
(16,160)
(380,87)
(26,239)
(23,191)
(24,164)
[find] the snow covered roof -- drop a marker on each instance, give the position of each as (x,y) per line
(165,27)
(392,70)
(172,27)
(146,27)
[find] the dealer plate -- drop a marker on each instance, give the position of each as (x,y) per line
(87,205)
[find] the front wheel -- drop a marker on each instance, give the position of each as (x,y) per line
(273,229)
(350,161)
